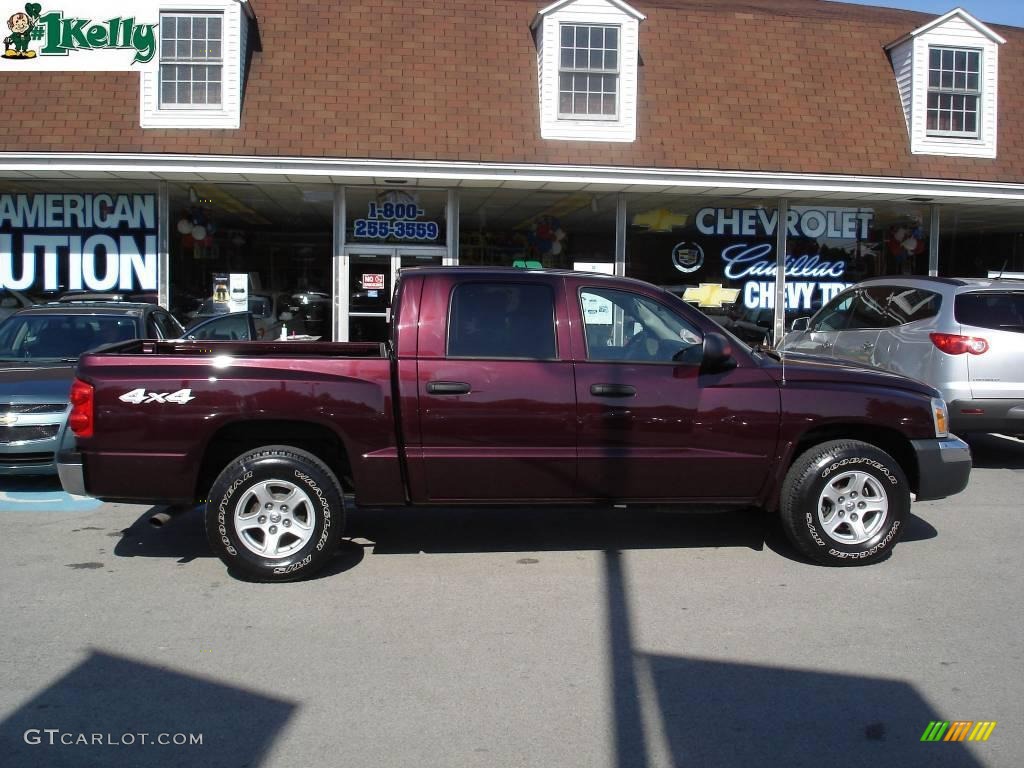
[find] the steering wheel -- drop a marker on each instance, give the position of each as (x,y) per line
(637,348)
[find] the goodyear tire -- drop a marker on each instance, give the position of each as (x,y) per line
(275,514)
(845,502)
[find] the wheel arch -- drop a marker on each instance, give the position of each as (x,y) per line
(232,440)
(892,441)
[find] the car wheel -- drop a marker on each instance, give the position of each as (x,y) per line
(845,502)
(276,513)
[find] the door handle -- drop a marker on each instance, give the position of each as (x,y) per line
(612,390)
(867,345)
(448,388)
(826,345)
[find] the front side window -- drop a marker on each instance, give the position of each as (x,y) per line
(629,327)
(836,315)
(502,320)
(954,92)
(191,60)
(588,72)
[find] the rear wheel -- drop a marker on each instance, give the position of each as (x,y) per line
(275,514)
(845,502)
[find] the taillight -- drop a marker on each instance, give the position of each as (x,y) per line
(954,344)
(80,420)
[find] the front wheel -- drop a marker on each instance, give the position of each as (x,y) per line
(275,514)
(845,502)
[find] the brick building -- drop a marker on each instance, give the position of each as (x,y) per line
(318,147)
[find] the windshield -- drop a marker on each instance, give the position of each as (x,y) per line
(60,337)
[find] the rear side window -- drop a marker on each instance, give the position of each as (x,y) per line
(990,309)
(503,320)
(869,309)
(886,306)
(908,305)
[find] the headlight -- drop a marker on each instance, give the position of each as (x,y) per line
(940,415)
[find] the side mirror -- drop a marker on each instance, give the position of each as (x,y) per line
(801,324)
(717,354)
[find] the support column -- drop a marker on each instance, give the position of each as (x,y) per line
(933,242)
(163,236)
(780,271)
(620,235)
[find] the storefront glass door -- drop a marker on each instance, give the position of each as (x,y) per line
(372,272)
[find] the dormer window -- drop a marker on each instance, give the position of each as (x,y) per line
(197,77)
(588,75)
(588,61)
(947,73)
(191,60)
(954,91)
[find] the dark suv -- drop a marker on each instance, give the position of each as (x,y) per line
(39,347)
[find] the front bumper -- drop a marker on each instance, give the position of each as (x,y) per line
(69,469)
(943,466)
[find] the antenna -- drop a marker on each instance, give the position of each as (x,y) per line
(782,359)
(1002,269)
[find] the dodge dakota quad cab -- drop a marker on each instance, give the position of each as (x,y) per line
(506,386)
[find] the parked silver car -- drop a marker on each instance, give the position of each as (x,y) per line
(964,336)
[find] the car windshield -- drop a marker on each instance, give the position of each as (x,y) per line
(60,337)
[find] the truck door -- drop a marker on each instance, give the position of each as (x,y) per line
(651,426)
(496,396)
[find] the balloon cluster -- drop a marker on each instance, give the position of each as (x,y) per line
(905,240)
(546,236)
(196,228)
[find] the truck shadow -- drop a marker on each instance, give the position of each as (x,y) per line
(389,531)
(184,539)
(533,529)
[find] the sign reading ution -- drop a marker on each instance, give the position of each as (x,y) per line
(73,242)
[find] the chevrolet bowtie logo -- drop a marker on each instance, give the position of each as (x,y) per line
(711,295)
(660,220)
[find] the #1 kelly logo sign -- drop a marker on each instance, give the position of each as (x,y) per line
(32,34)
(73,242)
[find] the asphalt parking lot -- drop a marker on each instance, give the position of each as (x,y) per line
(540,637)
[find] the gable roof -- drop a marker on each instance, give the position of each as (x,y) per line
(624,7)
(791,86)
(936,23)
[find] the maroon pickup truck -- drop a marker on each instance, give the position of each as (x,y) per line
(506,386)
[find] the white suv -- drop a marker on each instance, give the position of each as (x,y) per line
(964,336)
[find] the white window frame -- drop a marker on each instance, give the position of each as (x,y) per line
(153,113)
(910,56)
(589,71)
(217,62)
(952,92)
(547,28)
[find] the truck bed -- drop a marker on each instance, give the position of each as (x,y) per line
(161,406)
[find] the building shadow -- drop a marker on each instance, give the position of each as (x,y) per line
(683,711)
(117,700)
